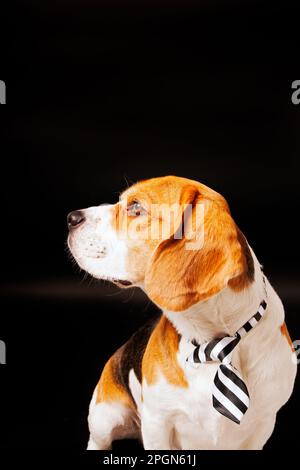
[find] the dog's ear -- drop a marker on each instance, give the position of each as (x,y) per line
(185,271)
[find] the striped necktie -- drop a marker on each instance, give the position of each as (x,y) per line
(230,395)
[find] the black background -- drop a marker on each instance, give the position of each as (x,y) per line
(100,96)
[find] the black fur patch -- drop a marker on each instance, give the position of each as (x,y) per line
(248,257)
(132,354)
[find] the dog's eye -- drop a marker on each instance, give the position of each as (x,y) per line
(135,209)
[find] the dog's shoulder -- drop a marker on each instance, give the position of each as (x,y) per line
(161,355)
(114,381)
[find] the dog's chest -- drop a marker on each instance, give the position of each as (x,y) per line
(186,409)
(198,417)
(189,410)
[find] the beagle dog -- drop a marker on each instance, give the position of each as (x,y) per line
(213,370)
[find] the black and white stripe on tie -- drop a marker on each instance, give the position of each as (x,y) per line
(230,394)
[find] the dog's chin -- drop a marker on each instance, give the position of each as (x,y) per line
(88,265)
(122,283)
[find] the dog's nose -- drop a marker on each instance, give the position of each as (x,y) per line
(75,218)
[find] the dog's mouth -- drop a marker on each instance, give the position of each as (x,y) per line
(122,282)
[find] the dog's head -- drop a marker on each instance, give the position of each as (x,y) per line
(172,236)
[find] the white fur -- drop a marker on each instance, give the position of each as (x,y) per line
(96,246)
(108,422)
(135,388)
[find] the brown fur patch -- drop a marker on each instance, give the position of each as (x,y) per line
(161,355)
(109,389)
(285,333)
(247,277)
(114,382)
(177,277)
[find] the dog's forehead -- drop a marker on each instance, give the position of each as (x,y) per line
(166,189)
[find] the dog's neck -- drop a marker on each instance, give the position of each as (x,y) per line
(222,314)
